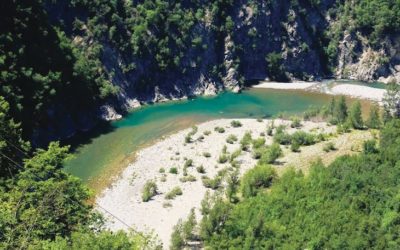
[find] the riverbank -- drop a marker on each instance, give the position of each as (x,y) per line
(351,90)
(124,197)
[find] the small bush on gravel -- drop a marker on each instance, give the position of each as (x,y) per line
(219,130)
(173,193)
(231,139)
(173,170)
(149,190)
(236,124)
(329,147)
(206,154)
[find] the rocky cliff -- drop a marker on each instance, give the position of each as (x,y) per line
(157,51)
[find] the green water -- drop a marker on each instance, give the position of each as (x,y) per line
(107,153)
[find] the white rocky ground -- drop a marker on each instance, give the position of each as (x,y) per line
(352,90)
(123,199)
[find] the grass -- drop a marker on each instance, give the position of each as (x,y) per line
(173,193)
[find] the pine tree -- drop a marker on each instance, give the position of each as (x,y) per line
(374,121)
(340,112)
(355,116)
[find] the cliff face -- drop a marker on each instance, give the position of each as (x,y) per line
(169,50)
(358,60)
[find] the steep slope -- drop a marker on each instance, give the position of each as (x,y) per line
(92,58)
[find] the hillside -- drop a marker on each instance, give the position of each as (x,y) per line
(103,56)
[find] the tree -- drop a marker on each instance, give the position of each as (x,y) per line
(391,101)
(261,176)
(45,201)
(340,112)
(12,147)
(374,120)
(275,67)
(355,116)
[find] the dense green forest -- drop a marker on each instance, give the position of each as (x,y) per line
(52,73)
(351,204)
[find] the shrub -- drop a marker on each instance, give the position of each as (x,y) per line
(219,130)
(223,158)
(177,241)
(295,147)
(282,138)
(270,128)
(329,147)
(173,193)
(162,170)
(258,143)
(201,169)
(231,139)
(269,156)
(207,132)
(303,138)
(236,124)
(258,152)
(261,176)
(235,155)
(296,123)
(188,163)
(212,183)
(206,154)
(188,178)
(246,141)
(149,190)
(369,147)
(173,170)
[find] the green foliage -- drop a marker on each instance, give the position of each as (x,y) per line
(173,170)
(149,191)
(329,147)
(44,198)
(296,123)
(40,68)
(10,142)
(295,146)
(183,232)
(207,154)
(340,111)
(219,130)
(212,183)
(223,158)
(355,116)
(258,143)
(270,155)
(257,178)
(201,169)
(353,203)
(374,120)
(173,193)
(236,124)
(275,67)
(246,141)
(231,139)
(188,163)
(391,101)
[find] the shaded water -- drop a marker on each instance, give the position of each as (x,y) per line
(106,154)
